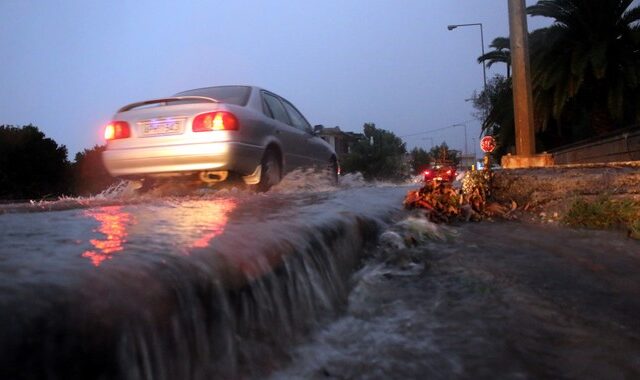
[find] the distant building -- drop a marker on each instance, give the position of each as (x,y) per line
(467,160)
(339,140)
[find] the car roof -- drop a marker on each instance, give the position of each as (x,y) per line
(223,85)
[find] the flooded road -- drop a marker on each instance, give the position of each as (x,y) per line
(199,286)
(293,284)
(496,300)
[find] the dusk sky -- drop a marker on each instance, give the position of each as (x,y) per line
(66,66)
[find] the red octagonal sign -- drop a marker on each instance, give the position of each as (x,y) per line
(488,144)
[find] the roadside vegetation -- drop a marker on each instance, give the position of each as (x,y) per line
(31,165)
(605,213)
(380,156)
(35,167)
(441,202)
(422,159)
(383,156)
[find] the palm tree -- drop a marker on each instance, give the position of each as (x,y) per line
(586,63)
(499,121)
(500,54)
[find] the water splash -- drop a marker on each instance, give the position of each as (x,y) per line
(304,180)
(197,286)
(353,180)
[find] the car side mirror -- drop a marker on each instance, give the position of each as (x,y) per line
(317,129)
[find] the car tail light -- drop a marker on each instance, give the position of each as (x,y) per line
(117,130)
(449,171)
(215,121)
(426,172)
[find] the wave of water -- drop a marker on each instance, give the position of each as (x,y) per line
(216,283)
(128,192)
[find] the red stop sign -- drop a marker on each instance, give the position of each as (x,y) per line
(488,144)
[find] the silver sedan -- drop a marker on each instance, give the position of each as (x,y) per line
(213,133)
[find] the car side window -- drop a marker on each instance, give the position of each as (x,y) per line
(277,109)
(297,119)
(265,108)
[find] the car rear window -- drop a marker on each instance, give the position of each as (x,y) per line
(238,95)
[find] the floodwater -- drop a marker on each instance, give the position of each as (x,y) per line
(295,284)
(484,301)
(216,284)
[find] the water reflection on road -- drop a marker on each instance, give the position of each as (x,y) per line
(113,225)
(194,224)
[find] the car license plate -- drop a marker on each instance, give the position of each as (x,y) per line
(161,127)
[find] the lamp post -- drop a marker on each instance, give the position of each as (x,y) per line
(473,142)
(484,67)
(465,135)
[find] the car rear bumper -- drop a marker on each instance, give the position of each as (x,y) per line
(179,159)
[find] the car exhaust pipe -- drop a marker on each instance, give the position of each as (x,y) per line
(213,176)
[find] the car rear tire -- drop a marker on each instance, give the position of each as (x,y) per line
(271,172)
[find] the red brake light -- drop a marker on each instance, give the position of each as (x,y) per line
(426,172)
(215,121)
(449,171)
(117,130)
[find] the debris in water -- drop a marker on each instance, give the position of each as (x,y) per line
(444,203)
(392,240)
(441,201)
(418,229)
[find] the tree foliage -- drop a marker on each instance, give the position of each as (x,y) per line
(89,174)
(501,53)
(31,165)
(420,160)
(499,122)
(379,156)
(443,154)
(587,62)
(585,72)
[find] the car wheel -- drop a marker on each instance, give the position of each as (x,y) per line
(271,172)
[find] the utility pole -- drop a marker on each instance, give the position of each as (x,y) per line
(522,92)
(522,95)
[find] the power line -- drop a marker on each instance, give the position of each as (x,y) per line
(459,124)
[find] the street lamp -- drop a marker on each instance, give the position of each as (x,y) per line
(484,67)
(473,142)
(465,135)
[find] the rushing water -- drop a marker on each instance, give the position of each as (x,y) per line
(216,284)
(485,301)
(289,284)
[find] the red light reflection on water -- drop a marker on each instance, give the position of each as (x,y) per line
(193,225)
(213,217)
(113,224)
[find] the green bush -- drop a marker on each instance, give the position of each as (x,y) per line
(89,176)
(605,213)
(32,166)
(378,157)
